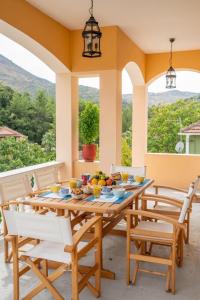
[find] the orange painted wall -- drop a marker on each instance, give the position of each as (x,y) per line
(158,63)
(67,45)
(38,26)
(108,47)
(128,51)
(117,51)
(177,170)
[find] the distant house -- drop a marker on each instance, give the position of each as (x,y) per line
(8,132)
(192,140)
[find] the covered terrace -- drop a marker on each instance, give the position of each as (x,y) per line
(135,36)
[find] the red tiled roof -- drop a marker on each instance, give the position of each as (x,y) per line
(192,129)
(8,132)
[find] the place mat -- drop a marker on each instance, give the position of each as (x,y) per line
(134,184)
(110,198)
(55,196)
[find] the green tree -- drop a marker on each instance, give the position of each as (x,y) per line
(126,117)
(164,125)
(20,153)
(49,143)
(126,153)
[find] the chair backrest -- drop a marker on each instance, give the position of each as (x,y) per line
(46,177)
(195,184)
(135,171)
(14,187)
(42,227)
(187,202)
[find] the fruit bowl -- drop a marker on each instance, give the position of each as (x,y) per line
(77,193)
(77,197)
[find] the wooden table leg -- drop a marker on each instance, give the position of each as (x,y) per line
(104,272)
(136,208)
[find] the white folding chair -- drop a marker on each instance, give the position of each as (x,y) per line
(11,189)
(56,244)
(46,177)
(135,171)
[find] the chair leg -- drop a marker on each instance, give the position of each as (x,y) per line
(188,228)
(6,244)
(75,286)
(44,266)
(173,268)
(6,251)
(15,269)
(135,272)
(168,279)
(98,257)
(44,280)
(128,250)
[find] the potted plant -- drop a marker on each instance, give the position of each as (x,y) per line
(89,130)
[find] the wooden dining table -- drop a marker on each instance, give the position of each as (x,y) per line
(111,213)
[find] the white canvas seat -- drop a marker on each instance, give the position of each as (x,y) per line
(155,230)
(57,244)
(135,171)
(52,251)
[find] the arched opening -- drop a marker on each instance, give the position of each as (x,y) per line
(174,115)
(131,79)
(30,112)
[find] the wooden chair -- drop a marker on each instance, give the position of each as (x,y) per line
(135,171)
(56,244)
(166,232)
(172,210)
(10,189)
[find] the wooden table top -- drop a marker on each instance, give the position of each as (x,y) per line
(89,206)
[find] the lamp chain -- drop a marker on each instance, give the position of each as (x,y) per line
(91,9)
(170,59)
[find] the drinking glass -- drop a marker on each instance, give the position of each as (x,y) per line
(125,177)
(97,191)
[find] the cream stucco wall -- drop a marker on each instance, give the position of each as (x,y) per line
(177,170)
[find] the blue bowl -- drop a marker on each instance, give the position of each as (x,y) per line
(119,193)
(64,191)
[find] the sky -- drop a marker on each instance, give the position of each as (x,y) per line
(186,80)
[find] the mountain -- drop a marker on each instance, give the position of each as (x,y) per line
(170,97)
(23,81)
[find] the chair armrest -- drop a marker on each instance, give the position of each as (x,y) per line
(170,188)
(79,234)
(10,238)
(162,199)
(152,215)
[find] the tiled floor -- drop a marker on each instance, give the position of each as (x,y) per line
(147,287)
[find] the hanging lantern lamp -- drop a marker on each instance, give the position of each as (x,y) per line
(91,35)
(171,74)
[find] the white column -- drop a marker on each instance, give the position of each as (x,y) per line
(110,119)
(139,125)
(64,122)
(187,144)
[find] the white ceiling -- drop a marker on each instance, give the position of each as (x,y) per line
(149,23)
